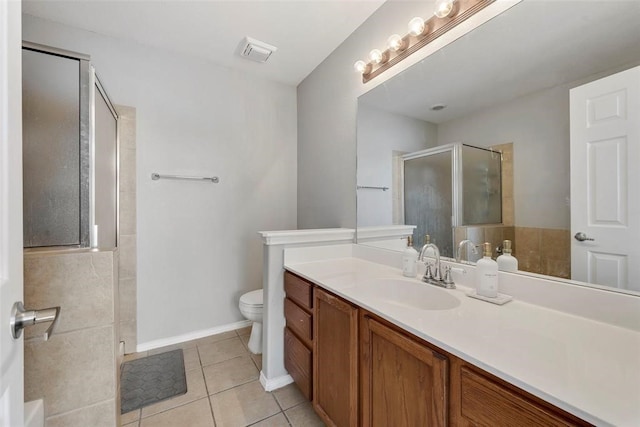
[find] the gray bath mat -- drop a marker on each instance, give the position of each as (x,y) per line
(151,379)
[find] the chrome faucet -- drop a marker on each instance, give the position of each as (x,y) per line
(461,245)
(431,277)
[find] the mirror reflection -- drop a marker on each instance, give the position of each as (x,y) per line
(559,110)
(445,188)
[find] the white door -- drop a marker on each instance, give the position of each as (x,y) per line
(605,181)
(11,351)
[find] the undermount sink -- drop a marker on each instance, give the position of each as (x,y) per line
(407,293)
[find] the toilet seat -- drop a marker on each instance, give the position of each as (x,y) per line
(248,310)
(252,299)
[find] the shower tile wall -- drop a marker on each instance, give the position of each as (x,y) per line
(128,231)
(75,372)
(539,250)
(493,234)
(544,251)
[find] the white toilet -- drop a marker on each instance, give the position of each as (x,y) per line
(251,308)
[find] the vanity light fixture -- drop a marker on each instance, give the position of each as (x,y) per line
(446,15)
(375,56)
(417,26)
(397,43)
(362,67)
(444,8)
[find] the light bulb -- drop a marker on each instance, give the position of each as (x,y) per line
(360,67)
(395,43)
(375,56)
(443,8)
(416,26)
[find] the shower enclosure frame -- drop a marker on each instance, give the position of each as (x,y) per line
(84,136)
(457,199)
(456,181)
(97,86)
(89,83)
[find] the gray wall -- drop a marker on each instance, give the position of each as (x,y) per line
(380,133)
(538,126)
(327,110)
(198,248)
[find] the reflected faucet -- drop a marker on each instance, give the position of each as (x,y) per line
(461,245)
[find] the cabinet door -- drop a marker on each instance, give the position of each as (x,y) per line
(335,360)
(404,383)
(485,402)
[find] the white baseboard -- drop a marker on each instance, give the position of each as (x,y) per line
(274,383)
(191,336)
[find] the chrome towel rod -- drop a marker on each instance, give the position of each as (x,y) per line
(367,187)
(213,179)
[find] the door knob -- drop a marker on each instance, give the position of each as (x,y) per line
(21,318)
(581,237)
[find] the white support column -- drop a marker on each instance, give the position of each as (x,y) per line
(273,374)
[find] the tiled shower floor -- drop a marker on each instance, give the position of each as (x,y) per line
(223,390)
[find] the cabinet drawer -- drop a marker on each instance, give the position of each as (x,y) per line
(487,403)
(299,321)
(299,290)
(298,362)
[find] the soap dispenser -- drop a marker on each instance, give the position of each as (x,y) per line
(506,261)
(410,259)
(487,274)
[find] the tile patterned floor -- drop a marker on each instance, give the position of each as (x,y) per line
(223,390)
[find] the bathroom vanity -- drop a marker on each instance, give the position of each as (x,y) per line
(369,347)
(298,333)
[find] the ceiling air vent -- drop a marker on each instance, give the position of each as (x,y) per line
(255,50)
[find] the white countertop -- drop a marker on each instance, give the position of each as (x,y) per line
(588,368)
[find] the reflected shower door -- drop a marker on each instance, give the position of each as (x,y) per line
(428,201)
(481,185)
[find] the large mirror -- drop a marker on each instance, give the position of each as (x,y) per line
(510,88)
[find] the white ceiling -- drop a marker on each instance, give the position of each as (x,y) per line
(532,46)
(304,31)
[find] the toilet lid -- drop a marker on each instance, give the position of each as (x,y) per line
(252,298)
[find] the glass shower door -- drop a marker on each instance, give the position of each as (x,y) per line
(428,199)
(481,184)
(53,151)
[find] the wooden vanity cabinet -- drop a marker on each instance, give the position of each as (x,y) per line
(481,399)
(360,370)
(298,332)
(403,382)
(335,360)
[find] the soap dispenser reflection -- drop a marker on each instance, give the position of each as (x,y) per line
(506,261)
